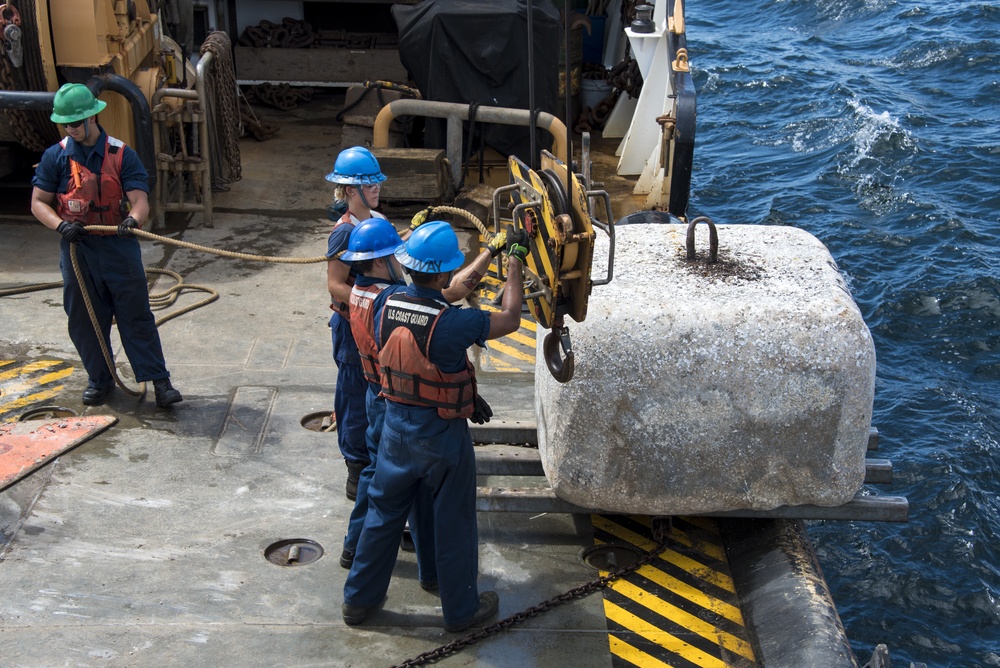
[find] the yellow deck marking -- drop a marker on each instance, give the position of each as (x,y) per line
(692,623)
(54,376)
(28,368)
(682,607)
(690,593)
(684,562)
(10,406)
(665,640)
(502,365)
(507,346)
(496,346)
(713,550)
(29,383)
(634,655)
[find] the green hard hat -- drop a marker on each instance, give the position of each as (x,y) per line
(74,102)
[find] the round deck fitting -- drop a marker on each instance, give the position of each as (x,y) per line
(46,413)
(293,552)
(610,557)
(320,421)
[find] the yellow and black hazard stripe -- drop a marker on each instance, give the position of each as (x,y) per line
(28,383)
(682,610)
(516,351)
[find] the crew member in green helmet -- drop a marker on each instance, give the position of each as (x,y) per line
(90,178)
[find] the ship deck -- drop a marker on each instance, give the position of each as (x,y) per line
(148,543)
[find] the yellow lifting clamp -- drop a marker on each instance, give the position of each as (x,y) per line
(561,244)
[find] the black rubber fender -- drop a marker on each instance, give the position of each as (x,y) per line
(785,600)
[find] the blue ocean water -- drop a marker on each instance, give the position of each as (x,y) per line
(875,126)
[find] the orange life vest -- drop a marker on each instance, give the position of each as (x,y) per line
(407,375)
(95,199)
(363,328)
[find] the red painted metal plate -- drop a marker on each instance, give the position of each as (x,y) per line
(26,446)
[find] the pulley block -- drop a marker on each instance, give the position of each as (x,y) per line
(561,244)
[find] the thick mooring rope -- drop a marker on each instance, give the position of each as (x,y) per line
(168,297)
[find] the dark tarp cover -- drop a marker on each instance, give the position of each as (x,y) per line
(477,52)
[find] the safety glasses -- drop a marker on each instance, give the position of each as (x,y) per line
(74,125)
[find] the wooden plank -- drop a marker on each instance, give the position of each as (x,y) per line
(413,173)
(503,431)
(332,65)
(878,471)
(544,500)
(508,460)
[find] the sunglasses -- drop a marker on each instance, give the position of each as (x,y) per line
(73,125)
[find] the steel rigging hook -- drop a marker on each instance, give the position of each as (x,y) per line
(560,368)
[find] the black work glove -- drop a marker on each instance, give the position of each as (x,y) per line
(517,243)
(126,227)
(481,413)
(71,232)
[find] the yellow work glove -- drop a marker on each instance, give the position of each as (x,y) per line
(421,217)
(497,243)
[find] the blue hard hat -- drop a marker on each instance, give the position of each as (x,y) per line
(356,166)
(431,249)
(375,237)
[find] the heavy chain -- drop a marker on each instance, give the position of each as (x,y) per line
(224,118)
(290,33)
(280,96)
(661,530)
(31,129)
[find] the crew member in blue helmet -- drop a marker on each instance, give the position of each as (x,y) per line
(431,393)
(90,178)
(370,252)
(359,181)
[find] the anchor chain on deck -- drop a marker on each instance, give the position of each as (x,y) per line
(661,527)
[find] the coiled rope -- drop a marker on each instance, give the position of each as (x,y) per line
(465,214)
(170,296)
(157,300)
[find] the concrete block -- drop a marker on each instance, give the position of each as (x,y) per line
(747,384)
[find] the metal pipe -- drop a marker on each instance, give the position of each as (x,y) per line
(26,101)
(141,118)
(199,95)
(456,113)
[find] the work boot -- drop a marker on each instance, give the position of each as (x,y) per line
(354,470)
(489,603)
(165,393)
(95,395)
(355,614)
(406,543)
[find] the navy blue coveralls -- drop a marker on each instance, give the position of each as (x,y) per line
(112,271)
(349,396)
(419,447)
(421,517)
